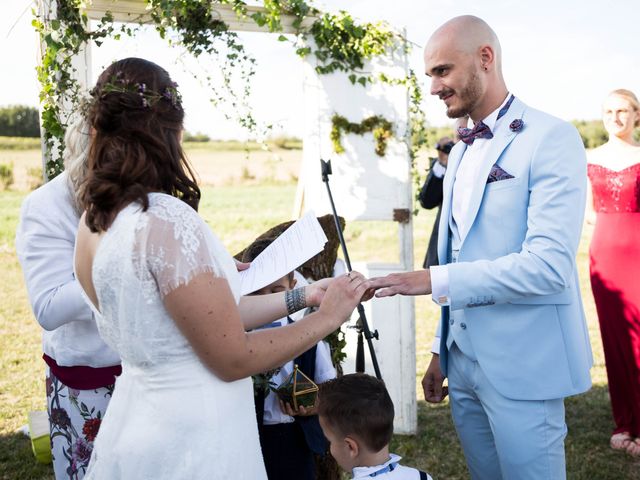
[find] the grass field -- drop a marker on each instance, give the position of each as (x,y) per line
(239,208)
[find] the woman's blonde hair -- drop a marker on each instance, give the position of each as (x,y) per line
(77,141)
(630,97)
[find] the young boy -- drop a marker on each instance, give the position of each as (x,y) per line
(356,416)
(290,438)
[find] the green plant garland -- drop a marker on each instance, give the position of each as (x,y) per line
(380,126)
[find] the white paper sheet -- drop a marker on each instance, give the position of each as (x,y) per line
(297,244)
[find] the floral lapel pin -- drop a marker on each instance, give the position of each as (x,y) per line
(517,125)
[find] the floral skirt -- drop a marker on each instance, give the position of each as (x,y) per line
(74,420)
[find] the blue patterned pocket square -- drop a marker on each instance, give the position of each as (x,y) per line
(496,174)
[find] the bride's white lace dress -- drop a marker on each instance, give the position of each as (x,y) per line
(170,417)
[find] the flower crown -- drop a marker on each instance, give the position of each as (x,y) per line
(148,97)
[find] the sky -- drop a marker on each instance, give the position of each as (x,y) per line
(561,56)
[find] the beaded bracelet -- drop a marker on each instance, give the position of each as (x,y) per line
(295,300)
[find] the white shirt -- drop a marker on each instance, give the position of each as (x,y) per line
(45,241)
(399,472)
(438,169)
(463,183)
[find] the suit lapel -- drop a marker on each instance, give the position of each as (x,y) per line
(447,192)
(502,138)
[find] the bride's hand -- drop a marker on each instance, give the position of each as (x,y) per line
(314,293)
(343,295)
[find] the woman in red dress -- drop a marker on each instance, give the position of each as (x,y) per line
(614,173)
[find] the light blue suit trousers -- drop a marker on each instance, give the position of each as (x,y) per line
(504,438)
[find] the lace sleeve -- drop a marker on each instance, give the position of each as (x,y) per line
(177,245)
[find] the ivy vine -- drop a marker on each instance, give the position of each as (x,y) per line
(380,127)
(62,38)
(340,44)
(343,45)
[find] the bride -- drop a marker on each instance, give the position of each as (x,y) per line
(166,297)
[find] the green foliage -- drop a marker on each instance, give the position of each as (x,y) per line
(6,175)
(62,39)
(381,127)
(344,45)
(337,343)
(285,143)
(19,121)
(592,132)
(195,137)
(433,134)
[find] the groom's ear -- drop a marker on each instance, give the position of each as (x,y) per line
(352,446)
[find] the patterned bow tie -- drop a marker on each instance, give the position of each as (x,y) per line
(480,130)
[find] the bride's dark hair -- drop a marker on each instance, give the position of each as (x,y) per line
(137,118)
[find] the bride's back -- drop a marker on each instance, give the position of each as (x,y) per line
(140,259)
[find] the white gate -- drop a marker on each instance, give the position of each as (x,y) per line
(366,186)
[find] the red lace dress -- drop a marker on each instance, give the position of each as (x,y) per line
(615,280)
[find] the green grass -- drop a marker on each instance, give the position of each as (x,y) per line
(286,143)
(238,214)
(19,143)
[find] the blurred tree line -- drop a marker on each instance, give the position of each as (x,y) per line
(19,121)
(592,133)
(23,121)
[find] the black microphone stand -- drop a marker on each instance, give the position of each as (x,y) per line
(361,325)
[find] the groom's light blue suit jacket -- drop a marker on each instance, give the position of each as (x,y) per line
(516,275)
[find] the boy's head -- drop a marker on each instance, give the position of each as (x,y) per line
(282,284)
(356,415)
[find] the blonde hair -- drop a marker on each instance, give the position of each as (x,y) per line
(77,140)
(630,97)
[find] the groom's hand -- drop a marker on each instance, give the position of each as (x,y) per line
(432,382)
(407,283)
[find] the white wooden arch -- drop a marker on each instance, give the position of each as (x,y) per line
(365,186)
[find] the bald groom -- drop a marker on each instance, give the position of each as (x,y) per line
(512,338)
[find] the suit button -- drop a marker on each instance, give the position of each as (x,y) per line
(463,326)
(452,321)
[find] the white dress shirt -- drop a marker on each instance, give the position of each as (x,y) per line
(399,472)
(438,169)
(45,241)
(325,370)
(466,177)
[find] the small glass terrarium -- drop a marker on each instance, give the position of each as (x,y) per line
(298,390)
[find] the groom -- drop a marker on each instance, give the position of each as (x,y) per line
(512,336)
